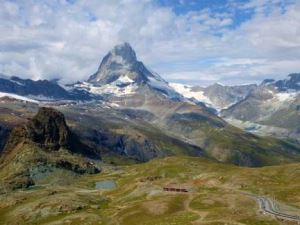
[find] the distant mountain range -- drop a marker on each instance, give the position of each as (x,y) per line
(216,96)
(121,74)
(271,108)
(131,111)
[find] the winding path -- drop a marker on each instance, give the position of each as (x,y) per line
(268,206)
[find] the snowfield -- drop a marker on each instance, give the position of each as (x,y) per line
(120,87)
(286,96)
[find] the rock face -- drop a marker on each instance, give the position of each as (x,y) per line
(49,129)
(137,148)
(224,96)
(120,61)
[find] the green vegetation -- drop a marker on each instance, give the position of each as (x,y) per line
(216,195)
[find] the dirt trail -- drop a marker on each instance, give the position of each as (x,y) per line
(202,214)
(188,208)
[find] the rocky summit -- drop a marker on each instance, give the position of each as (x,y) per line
(121,63)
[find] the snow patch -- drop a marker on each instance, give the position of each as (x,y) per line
(41,98)
(286,96)
(18,97)
(112,88)
(187,92)
(124,80)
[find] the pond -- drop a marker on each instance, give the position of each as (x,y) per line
(106,184)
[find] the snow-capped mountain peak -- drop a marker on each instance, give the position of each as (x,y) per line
(120,73)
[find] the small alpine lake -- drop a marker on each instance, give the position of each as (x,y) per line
(105,185)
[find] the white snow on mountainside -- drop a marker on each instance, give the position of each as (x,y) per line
(120,87)
(187,92)
(286,96)
(17,97)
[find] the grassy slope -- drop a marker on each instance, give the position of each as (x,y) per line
(232,145)
(216,196)
(248,148)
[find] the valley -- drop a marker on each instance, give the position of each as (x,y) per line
(216,195)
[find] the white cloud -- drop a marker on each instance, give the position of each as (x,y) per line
(50,39)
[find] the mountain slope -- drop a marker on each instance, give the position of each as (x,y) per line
(126,84)
(164,130)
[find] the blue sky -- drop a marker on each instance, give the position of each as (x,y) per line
(188,41)
(239,15)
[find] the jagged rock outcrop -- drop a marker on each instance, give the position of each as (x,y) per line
(48,130)
(45,140)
